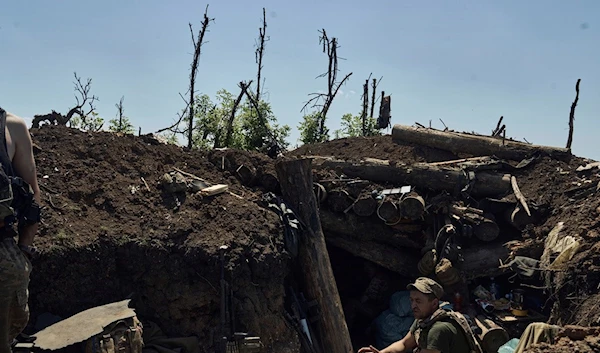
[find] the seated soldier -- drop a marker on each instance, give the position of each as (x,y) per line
(435,330)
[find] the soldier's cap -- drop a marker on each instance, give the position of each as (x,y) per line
(427,286)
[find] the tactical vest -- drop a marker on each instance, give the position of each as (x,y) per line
(16,195)
(449,315)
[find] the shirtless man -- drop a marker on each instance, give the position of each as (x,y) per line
(16,158)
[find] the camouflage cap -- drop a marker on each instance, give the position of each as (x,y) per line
(427,286)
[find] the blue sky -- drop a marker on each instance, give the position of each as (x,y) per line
(466,62)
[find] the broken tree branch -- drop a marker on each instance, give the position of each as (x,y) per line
(572,114)
(496,131)
(519,195)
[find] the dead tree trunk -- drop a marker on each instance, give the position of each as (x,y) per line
(121,111)
(193,73)
(373,89)
(84,93)
(475,145)
(262,37)
(330,47)
(229,129)
(365,99)
(422,175)
(296,181)
(572,114)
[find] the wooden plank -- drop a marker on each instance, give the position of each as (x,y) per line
(295,177)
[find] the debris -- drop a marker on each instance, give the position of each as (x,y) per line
(214,190)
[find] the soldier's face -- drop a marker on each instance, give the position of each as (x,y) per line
(422,306)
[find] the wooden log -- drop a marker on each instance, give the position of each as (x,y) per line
(388,212)
(412,206)
(484,261)
(246,174)
(270,182)
(420,174)
(486,229)
(352,226)
(519,194)
(403,262)
(365,205)
(339,200)
(475,145)
(484,225)
(296,181)
(492,336)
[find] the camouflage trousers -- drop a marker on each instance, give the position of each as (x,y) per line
(15,269)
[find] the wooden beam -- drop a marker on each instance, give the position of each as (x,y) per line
(403,262)
(352,226)
(295,177)
(475,145)
(421,175)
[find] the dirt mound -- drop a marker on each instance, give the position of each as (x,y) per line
(110,232)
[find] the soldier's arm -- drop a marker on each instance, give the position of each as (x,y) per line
(407,344)
(24,166)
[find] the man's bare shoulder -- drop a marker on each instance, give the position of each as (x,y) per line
(16,124)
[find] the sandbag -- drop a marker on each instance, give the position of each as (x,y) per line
(391,328)
(400,304)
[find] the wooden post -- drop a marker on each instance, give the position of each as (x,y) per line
(296,181)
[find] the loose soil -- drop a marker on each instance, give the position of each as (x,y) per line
(110,232)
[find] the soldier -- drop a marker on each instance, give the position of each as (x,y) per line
(435,330)
(19,204)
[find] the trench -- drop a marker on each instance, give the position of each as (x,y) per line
(370,294)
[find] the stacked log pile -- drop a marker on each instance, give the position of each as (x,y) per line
(423,216)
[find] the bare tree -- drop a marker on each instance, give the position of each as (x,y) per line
(572,114)
(365,99)
(190,103)
(374,86)
(260,50)
(229,129)
(121,111)
(82,97)
(330,47)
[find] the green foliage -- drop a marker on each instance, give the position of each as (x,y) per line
(170,137)
(351,126)
(92,122)
(309,129)
(258,134)
(247,130)
(122,125)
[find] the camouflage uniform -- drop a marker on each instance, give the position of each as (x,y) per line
(15,269)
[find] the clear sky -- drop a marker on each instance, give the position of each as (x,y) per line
(466,62)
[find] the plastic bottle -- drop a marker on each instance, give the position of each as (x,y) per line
(494,289)
(457,302)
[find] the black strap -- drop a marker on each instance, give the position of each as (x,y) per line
(4,158)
